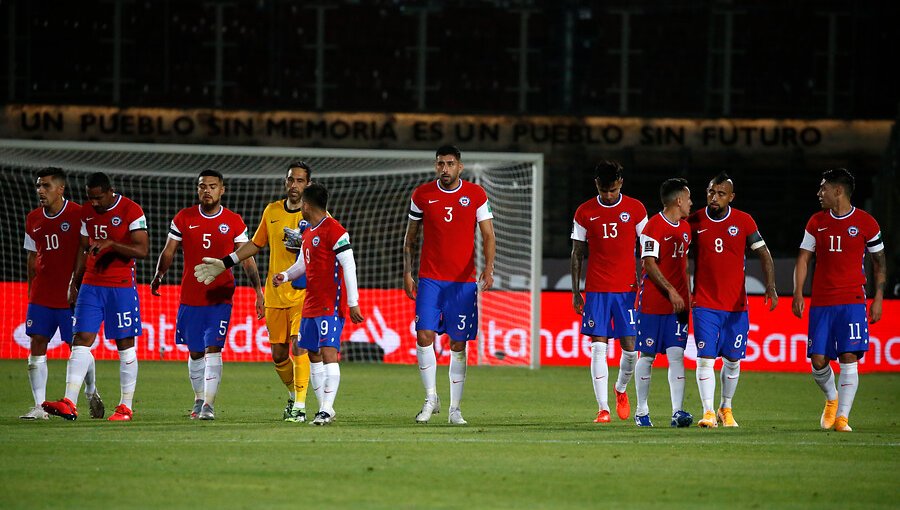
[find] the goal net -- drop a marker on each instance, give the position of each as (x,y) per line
(370,192)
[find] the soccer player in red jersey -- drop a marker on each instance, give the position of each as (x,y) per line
(52,240)
(113,234)
(608,225)
(326,258)
(664,300)
(720,235)
(206,230)
(446,211)
(839,236)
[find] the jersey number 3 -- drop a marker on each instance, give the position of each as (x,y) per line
(449,217)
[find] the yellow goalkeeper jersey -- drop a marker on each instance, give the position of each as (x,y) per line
(270,232)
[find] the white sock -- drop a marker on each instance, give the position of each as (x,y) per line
(457,377)
(848,383)
(196,369)
(731,371)
(90,378)
(332,381)
(626,369)
(825,379)
(428,370)
(642,373)
(211,377)
(317,380)
(128,371)
(676,377)
(706,382)
(600,374)
(37,376)
(79,361)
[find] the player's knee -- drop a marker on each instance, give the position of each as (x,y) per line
(425,338)
(39,345)
(819,362)
(279,355)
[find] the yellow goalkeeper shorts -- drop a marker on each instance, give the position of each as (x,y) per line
(283,323)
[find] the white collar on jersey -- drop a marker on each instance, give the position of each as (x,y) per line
(663,216)
(200,208)
(110,208)
(61,209)
(438,183)
(723,218)
(319,223)
(619,201)
(831,212)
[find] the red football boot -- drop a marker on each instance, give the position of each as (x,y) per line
(623,408)
(602,417)
(122,414)
(64,408)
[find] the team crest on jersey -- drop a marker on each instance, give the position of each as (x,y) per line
(733,231)
(64,226)
(701,344)
(853,231)
(223,228)
(28,323)
(116,221)
(464,201)
(624,217)
(590,323)
(685,236)
(315,241)
(650,342)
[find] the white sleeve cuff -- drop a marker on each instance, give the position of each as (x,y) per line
(809,242)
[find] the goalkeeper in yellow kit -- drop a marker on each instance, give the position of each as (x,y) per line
(279,228)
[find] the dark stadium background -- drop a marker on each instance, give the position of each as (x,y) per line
(686,59)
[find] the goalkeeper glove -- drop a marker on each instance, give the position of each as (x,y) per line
(211,268)
(293,238)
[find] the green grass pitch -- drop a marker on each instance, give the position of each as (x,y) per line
(530,443)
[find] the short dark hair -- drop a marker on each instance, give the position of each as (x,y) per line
(316,194)
(98,180)
(670,188)
(209,172)
(607,172)
(721,178)
(841,177)
(301,164)
(57,174)
(448,150)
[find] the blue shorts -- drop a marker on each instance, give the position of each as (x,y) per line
(609,314)
(44,321)
(656,333)
(719,333)
(834,330)
(116,307)
(200,327)
(318,332)
(448,307)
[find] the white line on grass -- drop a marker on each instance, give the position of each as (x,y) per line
(668,441)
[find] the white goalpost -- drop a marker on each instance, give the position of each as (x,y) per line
(370,192)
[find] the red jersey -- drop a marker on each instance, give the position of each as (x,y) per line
(668,243)
(720,246)
(123,217)
(325,293)
(448,237)
(206,236)
(611,233)
(56,240)
(840,245)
